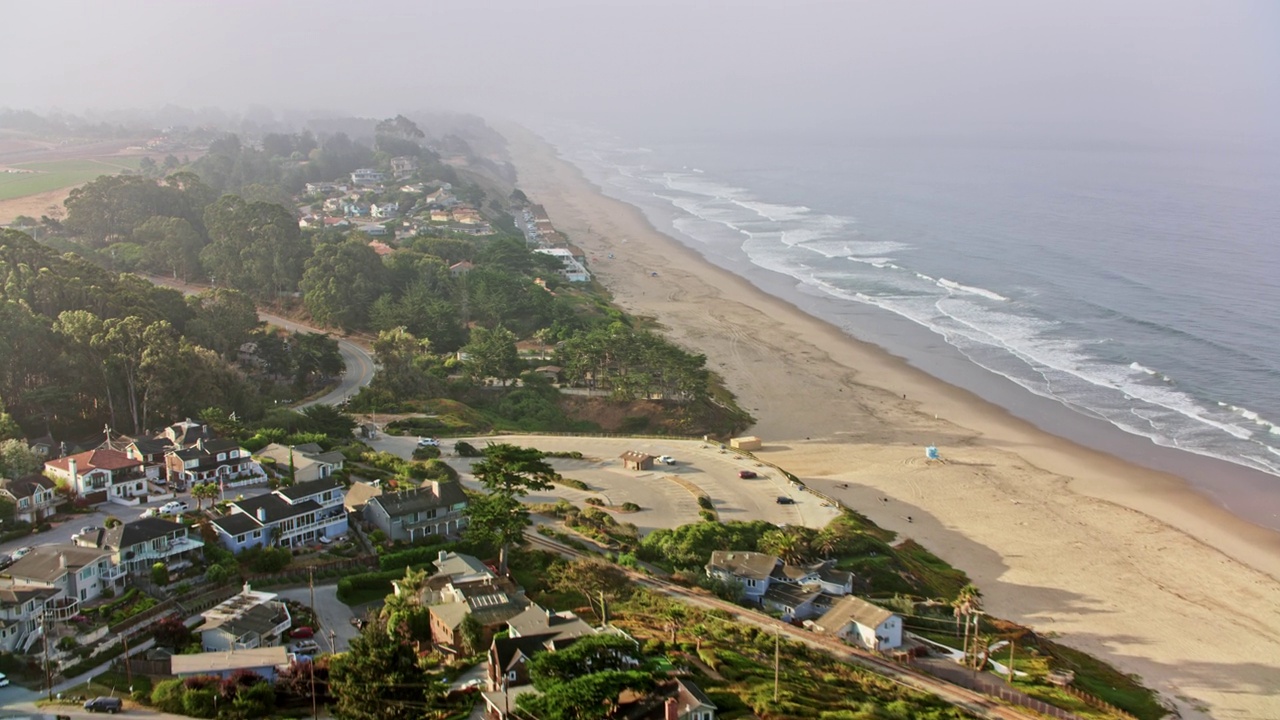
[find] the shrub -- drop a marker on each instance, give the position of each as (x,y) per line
(266,559)
(630,507)
(413,556)
(466,449)
(570,482)
(199,703)
(707,515)
(167,696)
(594,501)
(381,581)
(377,537)
(704,502)
(160,574)
(426,453)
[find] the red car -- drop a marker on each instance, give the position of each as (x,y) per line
(746,474)
(302,633)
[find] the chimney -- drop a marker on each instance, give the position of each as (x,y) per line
(669,710)
(62,560)
(262,514)
(73,469)
(246,588)
(442,556)
(200,443)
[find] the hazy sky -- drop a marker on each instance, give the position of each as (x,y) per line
(1127,69)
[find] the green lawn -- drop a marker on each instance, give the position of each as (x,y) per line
(46,176)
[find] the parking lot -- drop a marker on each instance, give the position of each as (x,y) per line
(664,502)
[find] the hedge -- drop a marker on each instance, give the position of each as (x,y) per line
(367,581)
(413,556)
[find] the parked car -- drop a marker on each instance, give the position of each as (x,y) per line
(747,474)
(428,442)
(174,507)
(104,704)
(666,460)
(88,529)
(784,500)
(305,647)
(4,680)
(302,633)
(20,552)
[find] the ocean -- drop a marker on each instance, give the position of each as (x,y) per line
(1131,286)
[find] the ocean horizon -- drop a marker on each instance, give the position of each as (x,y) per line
(1118,296)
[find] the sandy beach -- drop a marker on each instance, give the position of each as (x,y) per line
(1120,561)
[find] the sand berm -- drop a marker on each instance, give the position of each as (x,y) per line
(1122,562)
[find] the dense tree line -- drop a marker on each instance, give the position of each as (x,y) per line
(81,346)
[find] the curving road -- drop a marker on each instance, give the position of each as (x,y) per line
(359,365)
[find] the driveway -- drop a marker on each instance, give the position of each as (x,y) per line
(664,502)
(331,613)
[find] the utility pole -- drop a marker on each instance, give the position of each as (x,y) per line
(311,582)
(128,668)
(1012,642)
(604,610)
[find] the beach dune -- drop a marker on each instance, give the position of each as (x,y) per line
(1120,561)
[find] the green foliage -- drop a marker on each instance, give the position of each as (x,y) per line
(266,559)
(341,282)
(508,472)
(690,546)
(633,364)
(17,459)
(593,653)
(382,667)
(167,696)
(588,697)
(466,449)
(368,584)
(160,574)
(413,557)
(426,453)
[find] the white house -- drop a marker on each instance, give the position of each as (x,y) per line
(855,620)
(304,462)
(99,474)
(34,497)
(570,269)
(251,619)
(367,176)
(80,574)
(294,515)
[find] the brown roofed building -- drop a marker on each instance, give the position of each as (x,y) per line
(97,474)
(856,620)
(635,460)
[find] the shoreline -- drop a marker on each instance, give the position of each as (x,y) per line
(1116,557)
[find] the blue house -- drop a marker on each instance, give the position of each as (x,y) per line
(296,515)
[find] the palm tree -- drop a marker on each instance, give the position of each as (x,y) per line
(204,491)
(968,601)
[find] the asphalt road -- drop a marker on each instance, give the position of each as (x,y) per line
(331,613)
(359,363)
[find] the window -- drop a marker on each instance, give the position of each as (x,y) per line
(257,533)
(240,538)
(222,456)
(23,503)
(86,573)
(511,675)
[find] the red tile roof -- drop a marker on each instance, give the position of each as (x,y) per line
(96,460)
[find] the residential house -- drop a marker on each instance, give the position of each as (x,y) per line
(853,619)
(384,210)
(186,433)
(250,619)
(304,463)
(466,215)
(677,699)
(462,267)
(414,189)
(44,446)
(571,268)
(295,515)
(435,509)
(151,451)
(220,461)
(635,460)
(321,188)
(822,574)
(354,208)
(534,631)
(263,661)
(138,545)
(367,176)
(563,627)
(97,475)
(464,587)
(401,166)
(22,609)
(359,495)
(80,574)
(35,497)
(752,569)
(500,704)
(795,602)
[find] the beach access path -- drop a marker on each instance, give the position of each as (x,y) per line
(1122,562)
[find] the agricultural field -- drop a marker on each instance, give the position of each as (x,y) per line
(57,174)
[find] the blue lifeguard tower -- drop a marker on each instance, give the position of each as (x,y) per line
(931,453)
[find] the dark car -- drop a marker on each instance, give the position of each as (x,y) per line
(746,474)
(104,704)
(784,500)
(302,633)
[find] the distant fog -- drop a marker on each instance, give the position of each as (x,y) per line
(1133,70)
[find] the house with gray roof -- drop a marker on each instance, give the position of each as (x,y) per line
(220,461)
(433,510)
(855,620)
(250,619)
(304,463)
(290,516)
(136,546)
(21,610)
(34,497)
(81,574)
(753,570)
(795,602)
